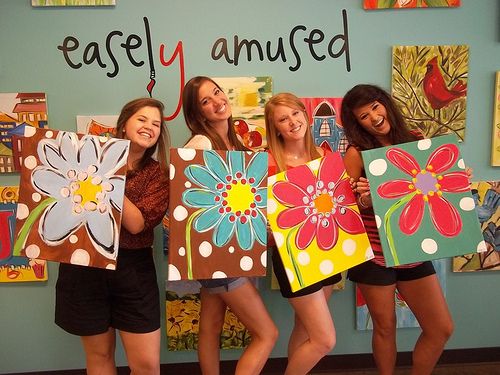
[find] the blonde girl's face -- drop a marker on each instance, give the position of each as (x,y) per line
(214,104)
(143,128)
(290,123)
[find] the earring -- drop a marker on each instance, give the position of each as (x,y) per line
(123,130)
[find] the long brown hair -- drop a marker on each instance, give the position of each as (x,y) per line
(274,140)
(163,141)
(197,123)
(361,95)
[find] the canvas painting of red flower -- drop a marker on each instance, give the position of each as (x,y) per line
(422,201)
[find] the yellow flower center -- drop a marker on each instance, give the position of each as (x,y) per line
(240,196)
(87,191)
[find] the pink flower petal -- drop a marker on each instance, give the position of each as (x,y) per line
(394,189)
(305,234)
(455,182)
(327,235)
(344,189)
(289,194)
(349,221)
(443,158)
(403,160)
(331,168)
(412,215)
(301,176)
(444,216)
(291,217)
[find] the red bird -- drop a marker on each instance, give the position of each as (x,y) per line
(435,89)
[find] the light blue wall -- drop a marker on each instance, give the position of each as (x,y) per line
(31,62)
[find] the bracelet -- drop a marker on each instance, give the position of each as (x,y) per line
(361,203)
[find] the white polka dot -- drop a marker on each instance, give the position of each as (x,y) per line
(279,238)
(246,263)
(314,165)
(172,171)
(73,238)
(49,134)
(349,247)
(188,184)
(205,249)
(461,164)
(22,211)
(263,258)
(272,206)
(36,197)
(30,162)
(29,131)
(271,180)
(326,267)
(182,251)
(369,253)
(80,257)
(481,247)
(289,275)
(303,258)
(429,246)
(180,213)
(424,144)
(378,221)
(111,267)
(231,249)
(173,273)
(467,204)
(32,251)
(377,167)
(219,275)
(186,154)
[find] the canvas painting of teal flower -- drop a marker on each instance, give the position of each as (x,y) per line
(422,201)
(217,214)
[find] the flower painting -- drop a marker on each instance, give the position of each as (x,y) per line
(422,201)
(495,135)
(315,221)
(397,4)
(71,197)
(218,214)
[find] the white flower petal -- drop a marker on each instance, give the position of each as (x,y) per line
(103,232)
(58,222)
(68,147)
(114,156)
(89,152)
(48,181)
(116,195)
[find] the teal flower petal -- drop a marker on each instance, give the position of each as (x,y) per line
(236,162)
(259,227)
(223,233)
(257,167)
(262,200)
(216,164)
(207,220)
(199,198)
(201,176)
(244,234)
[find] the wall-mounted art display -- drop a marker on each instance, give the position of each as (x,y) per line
(422,200)
(429,84)
(183,318)
(315,221)
(486,195)
(71,197)
(15,268)
(72,3)
(398,4)
(97,125)
(495,143)
(218,213)
(326,125)
(248,96)
(18,110)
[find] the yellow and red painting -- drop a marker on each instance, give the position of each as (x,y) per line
(397,4)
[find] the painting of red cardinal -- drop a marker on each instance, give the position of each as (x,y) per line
(435,89)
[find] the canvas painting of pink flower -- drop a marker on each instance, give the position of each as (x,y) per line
(422,201)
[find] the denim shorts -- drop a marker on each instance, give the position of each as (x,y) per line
(216,286)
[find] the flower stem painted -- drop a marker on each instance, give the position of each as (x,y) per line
(189,259)
(387,225)
(292,259)
(28,224)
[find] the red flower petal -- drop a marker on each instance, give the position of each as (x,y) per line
(444,216)
(349,221)
(327,236)
(455,182)
(360,300)
(331,168)
(394,189)
(443,158)
(305,234)
(291,217)
(412,215)
(403,160)
(289,194)
(344,188)
(301,176)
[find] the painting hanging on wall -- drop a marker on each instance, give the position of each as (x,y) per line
(495,144)
(218,211)
(422,200)
(398,4)
(183,317)
(487,198)
(429,84)
(15,268)
(326,125)
(18,110)
(72,3)
(315,221)
(97,125)
(71,197)
(248,96)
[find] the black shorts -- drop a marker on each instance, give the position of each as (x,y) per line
(372,274)
(285,289)
(91,300)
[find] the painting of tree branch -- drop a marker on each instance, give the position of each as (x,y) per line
(401,4)
(429,83)
(495,144)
